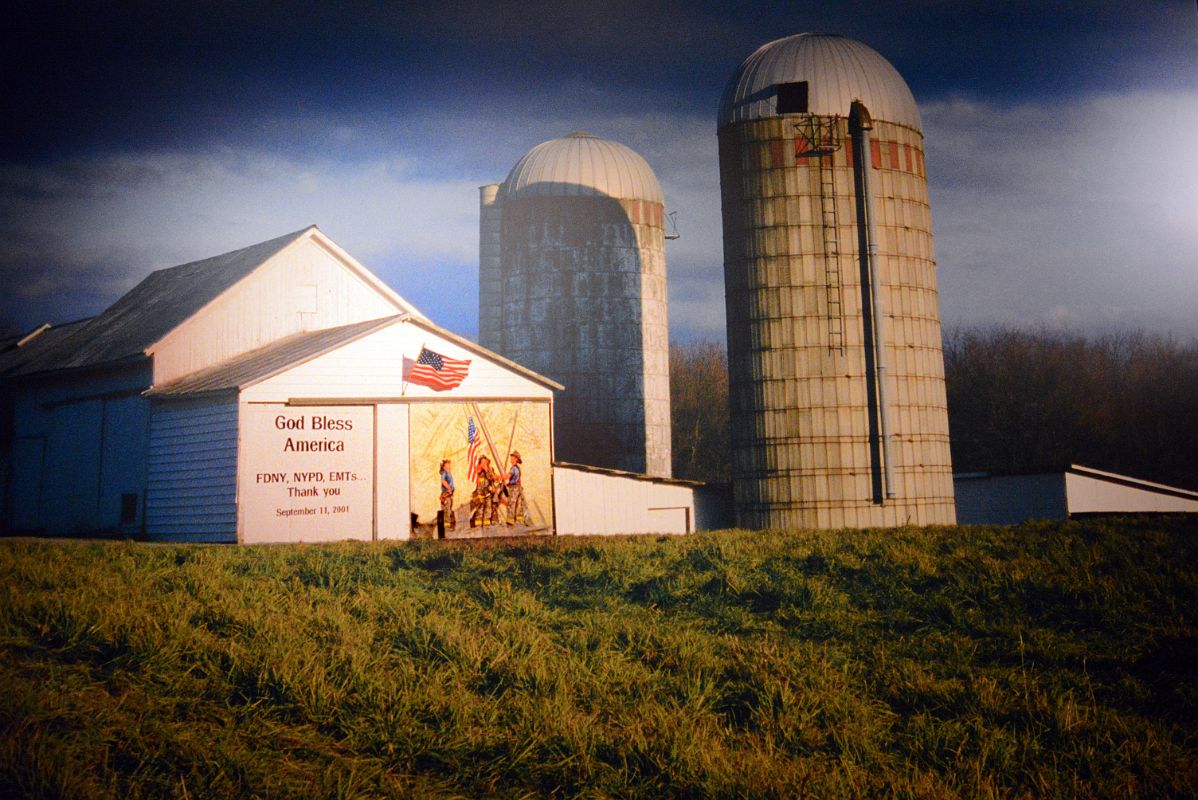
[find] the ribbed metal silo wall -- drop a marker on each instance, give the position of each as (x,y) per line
(584,303)
(801,408)
(490,287)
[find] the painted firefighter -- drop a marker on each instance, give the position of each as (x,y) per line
(447,516)
(514,489)
(483,500)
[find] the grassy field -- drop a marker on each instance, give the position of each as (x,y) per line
(1038,661)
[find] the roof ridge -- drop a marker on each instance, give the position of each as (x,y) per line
(288,237)
(160,302)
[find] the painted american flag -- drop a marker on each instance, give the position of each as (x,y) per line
(474,440)
(437,371)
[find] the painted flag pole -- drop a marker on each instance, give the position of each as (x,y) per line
(511,439)
(487,435)
(472,443)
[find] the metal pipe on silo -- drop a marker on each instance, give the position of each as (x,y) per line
(862,124)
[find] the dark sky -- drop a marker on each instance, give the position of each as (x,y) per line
(1060,140)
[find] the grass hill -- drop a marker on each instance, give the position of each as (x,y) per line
(1046,660)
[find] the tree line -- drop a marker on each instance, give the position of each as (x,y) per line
(1019,401)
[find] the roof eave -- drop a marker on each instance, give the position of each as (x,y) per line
(165,391)
(82,369)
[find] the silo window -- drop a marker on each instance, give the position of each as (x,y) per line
(792,98)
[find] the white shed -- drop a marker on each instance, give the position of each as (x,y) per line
(984,499)
(323,436)
(598,501)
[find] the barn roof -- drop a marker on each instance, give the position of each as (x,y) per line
(265,362)
(18,351)
(149,311)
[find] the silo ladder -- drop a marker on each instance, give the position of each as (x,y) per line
(819,137)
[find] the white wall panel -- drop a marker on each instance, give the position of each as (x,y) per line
(71,478)
(597,503)
(306,474)
(1091,495)
(392,501)
(123,459)
(374,366)
(28,462)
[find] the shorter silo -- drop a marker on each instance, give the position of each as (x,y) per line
(579,260)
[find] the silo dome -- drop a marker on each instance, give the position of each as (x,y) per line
(836,70)
(572,284)
(583,164)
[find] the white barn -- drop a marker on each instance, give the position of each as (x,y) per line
(269,394)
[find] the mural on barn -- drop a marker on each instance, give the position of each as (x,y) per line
(498,470)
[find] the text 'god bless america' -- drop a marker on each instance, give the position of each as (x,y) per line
(314,423)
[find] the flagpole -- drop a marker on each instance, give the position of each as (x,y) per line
(486,433)
(512,438)
(404,390)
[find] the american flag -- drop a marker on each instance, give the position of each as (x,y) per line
(474,440)
(438,371)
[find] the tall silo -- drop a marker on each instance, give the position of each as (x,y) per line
(834,348)
(581,295)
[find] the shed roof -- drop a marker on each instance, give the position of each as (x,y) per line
(18,351)
(255,366)
(152,309)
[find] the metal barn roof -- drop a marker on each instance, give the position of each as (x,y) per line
(18,351)
(257,365)
(265,362)
(152,309)
(580,165)
(837,70)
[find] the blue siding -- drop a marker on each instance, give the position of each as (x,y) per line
(79,445)
(191,494)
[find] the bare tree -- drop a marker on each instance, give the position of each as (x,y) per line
(1028,401)
(1019,401)
(699,401)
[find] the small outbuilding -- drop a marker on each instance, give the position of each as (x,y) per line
(984,499)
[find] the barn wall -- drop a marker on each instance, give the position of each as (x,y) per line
(598,503)
(78,446)
(1092,495)
(374,367)
(392,502)
(304,287)
(191,492)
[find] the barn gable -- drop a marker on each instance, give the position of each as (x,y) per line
(308,284)
(198,314)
